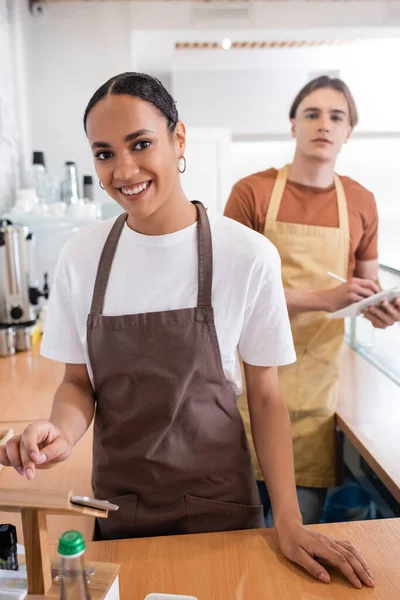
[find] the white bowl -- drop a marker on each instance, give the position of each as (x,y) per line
(168,597)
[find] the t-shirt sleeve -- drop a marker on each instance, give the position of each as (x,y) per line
(61,340)
(266,339)
(240,205)
(368,246)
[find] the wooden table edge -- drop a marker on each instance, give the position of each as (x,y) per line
(351,433)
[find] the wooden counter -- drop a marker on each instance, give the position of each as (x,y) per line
(28,382)
(369,416)
(246,565)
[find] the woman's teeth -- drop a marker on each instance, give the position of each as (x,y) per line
(129,191)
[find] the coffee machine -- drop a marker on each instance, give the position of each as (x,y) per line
(19,293)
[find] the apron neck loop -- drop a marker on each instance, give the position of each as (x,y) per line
(279,188)
(205,259)
(204,250)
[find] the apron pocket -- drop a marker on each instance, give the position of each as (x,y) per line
(120,523)
(203,515)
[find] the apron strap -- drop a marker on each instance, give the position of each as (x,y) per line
(204,248)
(105,263)
(205,258)
(342,204)
(277,194)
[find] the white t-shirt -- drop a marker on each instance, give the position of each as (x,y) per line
(159,273)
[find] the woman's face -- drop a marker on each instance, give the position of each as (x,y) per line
(135,155)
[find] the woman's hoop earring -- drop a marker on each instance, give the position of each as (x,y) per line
(101,185)
(180,168)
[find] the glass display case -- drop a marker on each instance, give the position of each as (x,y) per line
(380,346)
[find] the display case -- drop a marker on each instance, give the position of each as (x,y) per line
(379,346)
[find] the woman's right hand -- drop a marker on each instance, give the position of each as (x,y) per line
(40,446)
(352,291)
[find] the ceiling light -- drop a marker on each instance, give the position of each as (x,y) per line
(226,43)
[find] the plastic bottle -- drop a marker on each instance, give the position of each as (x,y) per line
(39,174)
(71,549)
(69,183)
(88,187)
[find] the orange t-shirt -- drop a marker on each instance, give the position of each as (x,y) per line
(306,205)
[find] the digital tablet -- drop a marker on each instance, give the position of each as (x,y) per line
(358,307)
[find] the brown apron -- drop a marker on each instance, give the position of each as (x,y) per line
(310,385)
(169,444)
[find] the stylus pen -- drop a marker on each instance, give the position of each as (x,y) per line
(336,277)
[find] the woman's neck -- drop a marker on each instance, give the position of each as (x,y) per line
(311,172)
(173,215)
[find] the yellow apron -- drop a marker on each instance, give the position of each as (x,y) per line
(310,386)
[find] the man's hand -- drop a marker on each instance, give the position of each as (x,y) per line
(352,291)
(385,315)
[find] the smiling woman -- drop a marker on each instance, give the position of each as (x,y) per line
(150,312)
(138,169)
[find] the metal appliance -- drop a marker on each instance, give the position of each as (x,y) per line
(19,292)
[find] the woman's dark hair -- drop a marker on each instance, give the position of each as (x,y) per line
(138,85)
(326,82)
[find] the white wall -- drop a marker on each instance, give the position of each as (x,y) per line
(50,66)
(21,27)
(249,102)
(9,130)
(75,48)
(257,101)
(283,14)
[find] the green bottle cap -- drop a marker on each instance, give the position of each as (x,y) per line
(70,543)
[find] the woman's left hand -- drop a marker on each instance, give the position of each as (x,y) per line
(385,315)
(306,548)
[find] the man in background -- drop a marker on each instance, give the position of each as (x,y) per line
(320,223)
